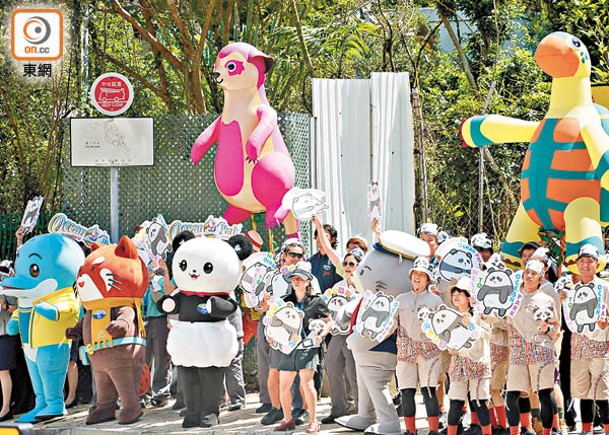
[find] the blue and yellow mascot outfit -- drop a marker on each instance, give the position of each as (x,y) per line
(45,271)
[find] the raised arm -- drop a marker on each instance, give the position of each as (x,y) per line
(597,142)
(267,123)
(205,141)
(480,131)
(325,243)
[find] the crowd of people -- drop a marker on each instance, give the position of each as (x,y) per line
(520,376)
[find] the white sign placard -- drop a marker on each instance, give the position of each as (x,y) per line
(112,141)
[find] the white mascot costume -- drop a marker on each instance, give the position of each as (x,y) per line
(385,268)
(202,342)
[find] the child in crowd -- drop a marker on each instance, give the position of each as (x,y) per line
(499,346)
(532,350)
(418,357)
(470,368)
(589,351)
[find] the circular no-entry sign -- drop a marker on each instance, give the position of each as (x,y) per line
(112,94)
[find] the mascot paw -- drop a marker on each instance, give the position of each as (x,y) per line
(463,143)
(355,422)
(195,153)
(47,311)
(12,328)
(386,428)
(168,305)
(73,334)
(252,152)
(30,417)
(117,329)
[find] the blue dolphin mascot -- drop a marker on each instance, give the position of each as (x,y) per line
(45,272)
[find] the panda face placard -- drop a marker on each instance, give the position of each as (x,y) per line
(152,242)
(375,316)
(374,200)
(31,214)
(583,307)
(444,326)
(316,331)
(497,290)
(256,267)
(336,298)
(458,259)
(283,326)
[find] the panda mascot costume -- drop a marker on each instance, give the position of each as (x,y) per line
(202,343)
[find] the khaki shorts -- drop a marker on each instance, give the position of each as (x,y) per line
(445,358)
(478,389)
(532,377)
(423,372)
(499,375)
(589,379)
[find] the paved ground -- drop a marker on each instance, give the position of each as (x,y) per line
(167,421)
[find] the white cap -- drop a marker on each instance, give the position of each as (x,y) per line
(535,266)
(428,228)
(588,250)
(464,283)
(481,240)
(422,264)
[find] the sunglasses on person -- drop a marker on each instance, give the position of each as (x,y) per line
(295,254)
(349,263)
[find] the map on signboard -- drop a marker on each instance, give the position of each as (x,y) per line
(112,141)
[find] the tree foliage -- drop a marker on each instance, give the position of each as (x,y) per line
(167,49)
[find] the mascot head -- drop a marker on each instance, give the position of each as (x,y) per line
(385,268)
(241,66)
(208,265)
(44,264)
(112,271)
(562,55)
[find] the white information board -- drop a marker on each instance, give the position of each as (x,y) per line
(112,141)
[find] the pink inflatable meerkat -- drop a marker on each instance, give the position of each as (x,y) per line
(253,168)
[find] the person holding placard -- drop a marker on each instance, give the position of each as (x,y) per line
(589,346)
(428,232)
(470,368)
(340,364)
(533,331)
(302,361)
(268,359)
(418,357)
